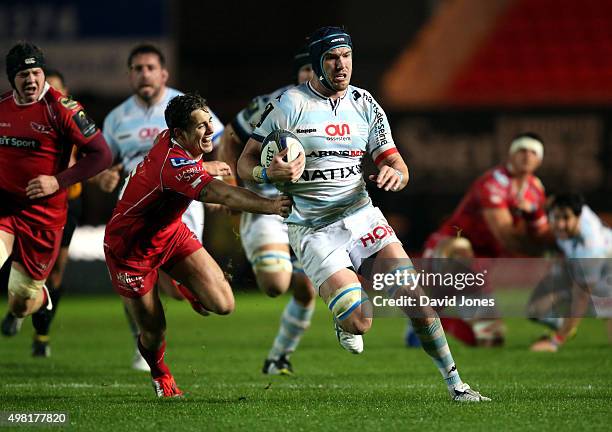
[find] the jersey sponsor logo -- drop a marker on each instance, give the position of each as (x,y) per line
(36,127)
(379,122)
(356,95)
(84,123)
(179,162)
(19,142)
(69,103)
(5,125)
(148,133)
(377,234)
(332,173)
(188,173)
(341,153)
(306,131)
(337,129)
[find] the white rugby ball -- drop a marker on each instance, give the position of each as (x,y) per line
(276,142)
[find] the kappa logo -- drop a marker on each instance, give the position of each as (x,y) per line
(40,128)
(179,162)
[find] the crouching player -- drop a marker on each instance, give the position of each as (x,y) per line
(587,246)
(146,233)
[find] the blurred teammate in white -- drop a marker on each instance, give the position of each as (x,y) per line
(264,237)
(333,225)
(130,130)
(586,243)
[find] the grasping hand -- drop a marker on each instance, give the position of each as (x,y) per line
(41,186)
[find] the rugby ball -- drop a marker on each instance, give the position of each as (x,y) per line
(276,142)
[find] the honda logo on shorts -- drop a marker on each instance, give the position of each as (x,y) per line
(378,233)
(338,129)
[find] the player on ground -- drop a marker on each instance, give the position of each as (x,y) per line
(38,128)
(501,215)
(130,130)
(41,320)
(587,246)
(333,225)
(146,232)
(264,237)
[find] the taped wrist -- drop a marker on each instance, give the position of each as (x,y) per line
(260,174)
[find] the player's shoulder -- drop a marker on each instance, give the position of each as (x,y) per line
(120,110)
(6,96)
(64,104)
(497,176)
(171,93)
(361,97)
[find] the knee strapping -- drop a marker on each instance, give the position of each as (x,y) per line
(22,285)
(271,261)
(345,300)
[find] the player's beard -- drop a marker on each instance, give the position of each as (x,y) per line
(148,95)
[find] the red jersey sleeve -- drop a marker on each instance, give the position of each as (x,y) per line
(492,194)
(73,121)
(185,176)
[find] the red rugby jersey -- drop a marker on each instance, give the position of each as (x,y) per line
(494,189)
(155,196)
(36,139)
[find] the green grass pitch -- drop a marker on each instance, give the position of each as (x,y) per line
(217,362)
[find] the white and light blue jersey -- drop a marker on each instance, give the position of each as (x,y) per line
(589,252)
(244,125)
(336,134)
(594,240)
(130,129)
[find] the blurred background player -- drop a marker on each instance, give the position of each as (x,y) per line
(40,128)
(130,130)
(333,226)
(146,232)
(586,244)
(41,320)
(264,237)
(501,215)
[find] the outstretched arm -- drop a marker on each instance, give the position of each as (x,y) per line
(238,198)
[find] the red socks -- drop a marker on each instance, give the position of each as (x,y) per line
(155,359)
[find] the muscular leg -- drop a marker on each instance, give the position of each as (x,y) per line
(168,286)
(203,277)
(26,304)
(424,319)
(272,268)
(356,322)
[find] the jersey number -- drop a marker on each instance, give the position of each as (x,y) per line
(264,114)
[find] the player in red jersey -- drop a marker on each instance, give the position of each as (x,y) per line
(38,127)
(502,215)
(146,232)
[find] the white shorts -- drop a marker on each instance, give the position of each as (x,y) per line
(257,230)
(346,243)
(194,218)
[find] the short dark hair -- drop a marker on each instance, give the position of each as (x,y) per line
(146,48)
(573,201)
(179,109)
(51,72)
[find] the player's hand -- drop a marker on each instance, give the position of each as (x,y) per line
(387,179)
(109,179)
(41,186)
(217,168)
(280,171)
(282,205)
